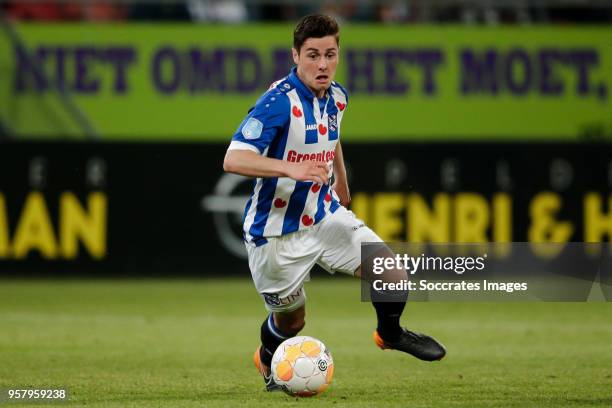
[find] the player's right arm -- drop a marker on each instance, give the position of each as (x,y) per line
(251,164)
(248,153)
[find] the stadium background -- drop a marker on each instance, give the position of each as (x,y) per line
(469,121)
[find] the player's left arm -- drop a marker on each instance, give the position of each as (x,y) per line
(340,181)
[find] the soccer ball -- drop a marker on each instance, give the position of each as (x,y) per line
(303,366)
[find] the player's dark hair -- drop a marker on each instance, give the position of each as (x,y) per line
(315,26)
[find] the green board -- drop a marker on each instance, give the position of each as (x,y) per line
(196,82)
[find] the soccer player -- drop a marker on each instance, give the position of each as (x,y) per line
(294,219)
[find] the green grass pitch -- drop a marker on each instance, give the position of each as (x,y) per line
(188,343)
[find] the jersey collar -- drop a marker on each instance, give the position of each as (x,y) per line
(301,87)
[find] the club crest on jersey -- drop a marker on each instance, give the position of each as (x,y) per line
(252,129)
(333,123)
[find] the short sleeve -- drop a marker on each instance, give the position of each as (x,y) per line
(264,122)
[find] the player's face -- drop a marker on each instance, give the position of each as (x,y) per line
(316,63)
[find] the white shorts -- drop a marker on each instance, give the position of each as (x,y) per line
(280,267)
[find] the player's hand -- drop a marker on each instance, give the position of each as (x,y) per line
(342,190)
(309,171)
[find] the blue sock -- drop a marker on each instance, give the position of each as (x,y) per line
(271,338)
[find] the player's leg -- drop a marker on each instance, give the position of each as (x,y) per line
(343,234)
(291,322)
(389,334)
(276,328)
(279,269)
(388,306)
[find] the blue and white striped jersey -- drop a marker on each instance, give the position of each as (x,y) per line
(290,123)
